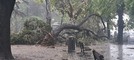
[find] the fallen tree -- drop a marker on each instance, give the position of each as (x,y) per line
(55,33)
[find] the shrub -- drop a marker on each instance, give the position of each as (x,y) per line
(33,31)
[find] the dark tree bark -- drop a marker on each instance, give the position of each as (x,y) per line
(6,8)
(120,9)
(108,29)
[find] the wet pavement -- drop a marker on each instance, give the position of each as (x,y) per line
(121,52)
(108,50)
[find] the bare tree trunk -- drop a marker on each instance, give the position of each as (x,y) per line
(48,11)
(120,9)
(108,29)
(6,8)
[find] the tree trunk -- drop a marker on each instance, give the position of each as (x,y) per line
(120,9)
(6,8)
(108,29)
(48,11)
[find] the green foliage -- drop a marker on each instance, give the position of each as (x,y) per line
(106,8)
(17,39)
(34,30)
(39,1)
(129,5)
(35,23)
(130,24)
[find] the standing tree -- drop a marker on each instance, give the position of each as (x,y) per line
(6,8)
(120,9)
(48,11)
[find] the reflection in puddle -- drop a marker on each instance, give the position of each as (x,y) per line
(121,52)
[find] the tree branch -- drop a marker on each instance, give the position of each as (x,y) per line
(91,16)
(69,26)
(77,13)
(70,12)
